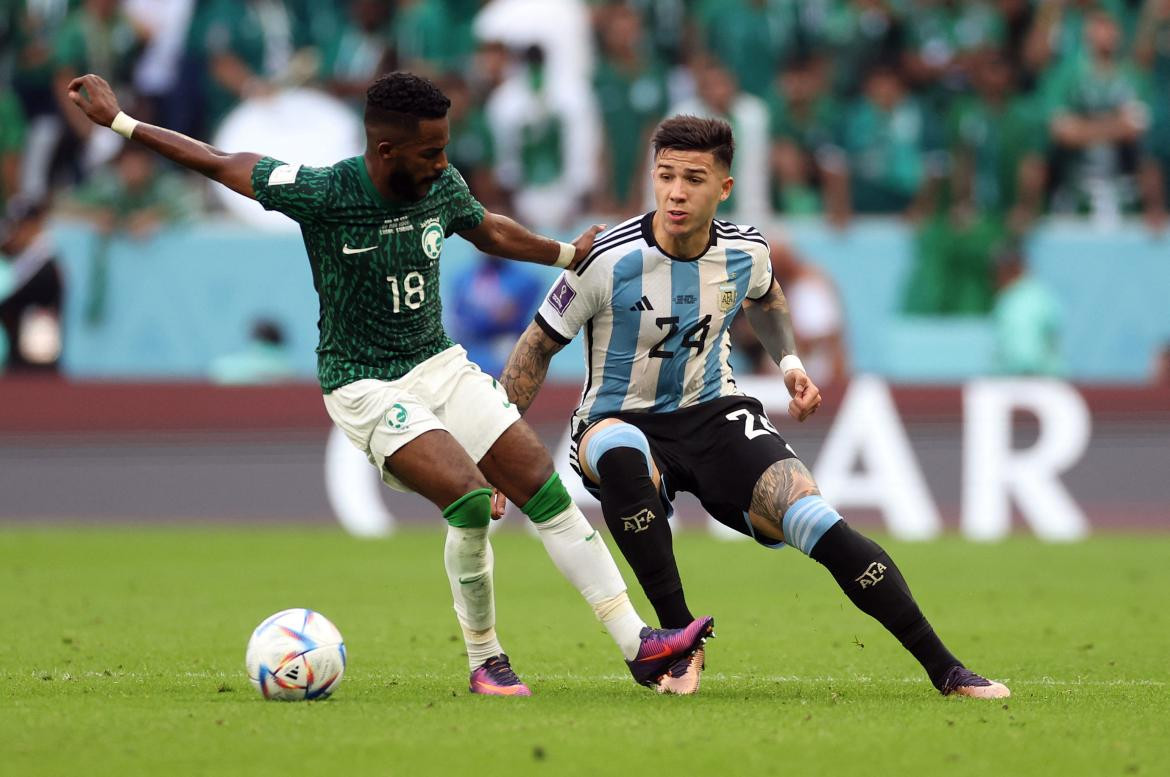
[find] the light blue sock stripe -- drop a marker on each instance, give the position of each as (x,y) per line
(807,520)
(617,436)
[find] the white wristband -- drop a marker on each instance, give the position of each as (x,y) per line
(124,125)
(568,251)
(791,362)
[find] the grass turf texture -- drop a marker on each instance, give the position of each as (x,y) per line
(125,650)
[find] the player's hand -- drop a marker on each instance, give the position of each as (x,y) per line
(499,504)
(584,243)
(97,100)
(806,397)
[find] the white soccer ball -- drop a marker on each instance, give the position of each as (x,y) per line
(295,654)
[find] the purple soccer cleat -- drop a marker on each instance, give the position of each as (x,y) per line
(662,648)
(682,679)
(961,681)
(495,677)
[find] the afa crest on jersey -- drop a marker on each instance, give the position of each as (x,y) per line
(726,296)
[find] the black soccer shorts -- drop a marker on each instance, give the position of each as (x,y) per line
(716,450)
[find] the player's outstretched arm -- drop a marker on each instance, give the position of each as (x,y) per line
(527,367)
(772,323)
(94,96)
(501,236)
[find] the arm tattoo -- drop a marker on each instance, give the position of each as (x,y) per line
(525,371)
(781,486)
(772,323)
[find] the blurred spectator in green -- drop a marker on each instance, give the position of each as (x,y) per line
(718,96)
(879,164)
(248,48)
(858,35)
(1152,52)
(96,38)
(1058,39)
(263,360)
(630,85)
(28,51)
(1098,113)
(135,195)
(804,116)
(358,51)
(471,149)
(944,38)
(668,26)
(30,289)
(429,37)
(547,142)
(12,134)
(750,37)
(1027,319)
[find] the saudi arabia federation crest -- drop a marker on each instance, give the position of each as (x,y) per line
(726,297)
(432,239)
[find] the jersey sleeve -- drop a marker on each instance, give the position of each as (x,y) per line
(466,211)
(761,278)
(573,300)
(299,192)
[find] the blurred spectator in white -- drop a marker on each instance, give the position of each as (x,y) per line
(718,96)
(630,84)
(494,303)
(472,149)
(264,359)
(547,144)
(879,164)
(559,27)
(165,24)
(28,50)
(1027,319)
(31,291)
(96,38)
(1098,113)
(358,51)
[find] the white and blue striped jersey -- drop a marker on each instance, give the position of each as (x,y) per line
(656,326)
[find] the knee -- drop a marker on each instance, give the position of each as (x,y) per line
(619,447)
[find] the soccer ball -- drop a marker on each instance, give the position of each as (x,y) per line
(295,654)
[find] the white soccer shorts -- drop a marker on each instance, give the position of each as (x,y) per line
(447,391)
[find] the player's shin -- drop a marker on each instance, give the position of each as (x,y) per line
(870,579)
(467,556)
(637,520)
(579,552)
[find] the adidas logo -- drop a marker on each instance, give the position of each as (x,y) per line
(642,304)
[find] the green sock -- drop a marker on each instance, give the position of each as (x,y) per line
(473,510)
(551,500)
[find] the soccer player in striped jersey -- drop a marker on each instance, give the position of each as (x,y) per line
(661,411)
(401,390)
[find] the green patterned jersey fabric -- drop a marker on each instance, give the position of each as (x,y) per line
(375,263)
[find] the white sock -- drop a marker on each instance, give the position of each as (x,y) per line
(579,552)
(467,556)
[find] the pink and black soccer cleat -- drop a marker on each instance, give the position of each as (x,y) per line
(495,677)
(662,648)
(682,679)
(961,681)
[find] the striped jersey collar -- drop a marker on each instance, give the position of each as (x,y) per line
(648,236)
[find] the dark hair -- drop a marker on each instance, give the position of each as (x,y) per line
(403,99)
(692,133)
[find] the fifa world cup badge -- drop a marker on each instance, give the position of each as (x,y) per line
(726,297)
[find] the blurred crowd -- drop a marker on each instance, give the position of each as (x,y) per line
(971,119)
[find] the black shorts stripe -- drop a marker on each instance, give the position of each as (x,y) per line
(548,330)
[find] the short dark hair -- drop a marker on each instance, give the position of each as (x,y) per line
(403,99)
(693,133)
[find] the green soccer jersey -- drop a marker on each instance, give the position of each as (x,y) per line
(375,263)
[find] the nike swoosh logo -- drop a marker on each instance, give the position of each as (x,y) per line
(591,536)
(661,654)
(345,249)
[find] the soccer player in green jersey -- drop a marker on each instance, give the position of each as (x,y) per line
(400,389)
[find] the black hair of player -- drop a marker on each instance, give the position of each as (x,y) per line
(693,133)
(401,99)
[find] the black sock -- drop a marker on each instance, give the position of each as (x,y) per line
(872,581)
(637,520)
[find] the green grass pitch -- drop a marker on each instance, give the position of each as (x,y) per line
(124,655)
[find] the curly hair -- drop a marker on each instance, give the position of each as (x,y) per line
(403,99)
(692,133)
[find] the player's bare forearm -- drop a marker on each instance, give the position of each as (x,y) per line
(772,322)
(94,97)
(501,236)
(527,367)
